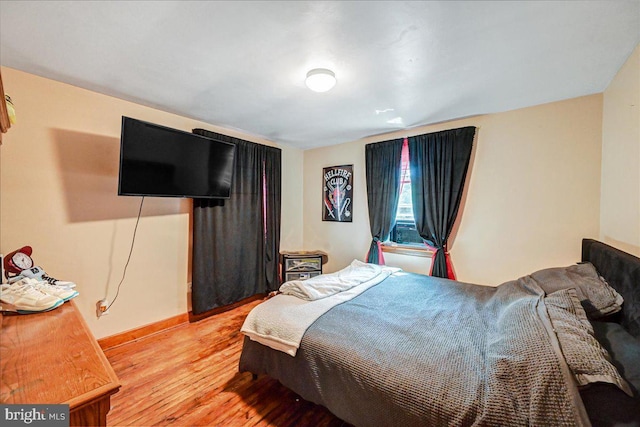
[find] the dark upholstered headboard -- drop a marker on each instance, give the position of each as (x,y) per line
(622,271)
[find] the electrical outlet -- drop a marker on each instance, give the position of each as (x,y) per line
(102,308)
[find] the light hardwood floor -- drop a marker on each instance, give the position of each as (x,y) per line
(188,376)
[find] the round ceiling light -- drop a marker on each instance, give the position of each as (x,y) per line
(320,80)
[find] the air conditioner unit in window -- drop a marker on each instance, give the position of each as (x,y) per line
(405,233)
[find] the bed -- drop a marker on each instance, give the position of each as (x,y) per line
(413,350)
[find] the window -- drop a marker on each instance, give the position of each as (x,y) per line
(405,207)
(404,232)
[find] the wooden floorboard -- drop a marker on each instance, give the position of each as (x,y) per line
(188,376)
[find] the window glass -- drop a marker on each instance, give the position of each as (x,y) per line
(404,232)
(405,207)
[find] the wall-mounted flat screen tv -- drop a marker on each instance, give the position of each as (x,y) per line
(163,162)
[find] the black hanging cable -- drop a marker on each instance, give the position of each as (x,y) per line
(133,240)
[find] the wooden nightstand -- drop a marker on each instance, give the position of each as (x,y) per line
(301,265)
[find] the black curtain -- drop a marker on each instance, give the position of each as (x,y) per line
(383,169)
(236,241)
(439,163)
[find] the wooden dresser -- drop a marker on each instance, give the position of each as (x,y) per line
(52,357)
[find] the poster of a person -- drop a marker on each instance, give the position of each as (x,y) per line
(337,193)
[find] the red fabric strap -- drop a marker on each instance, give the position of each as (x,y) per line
(451,273)
(380,255)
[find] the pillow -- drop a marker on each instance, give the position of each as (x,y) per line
(586,358)
(623,348)
(597,297)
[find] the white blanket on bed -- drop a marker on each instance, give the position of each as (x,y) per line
(281,321)
(325,285)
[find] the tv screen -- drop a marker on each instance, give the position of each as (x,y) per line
(164,162)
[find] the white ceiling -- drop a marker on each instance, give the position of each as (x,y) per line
(399,64)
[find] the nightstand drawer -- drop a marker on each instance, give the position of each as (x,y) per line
(301,275)
(303,264)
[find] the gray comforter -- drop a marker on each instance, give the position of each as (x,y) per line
(419,351)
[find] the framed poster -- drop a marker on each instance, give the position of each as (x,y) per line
(337,203)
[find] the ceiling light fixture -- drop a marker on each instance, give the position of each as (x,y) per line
(320,80)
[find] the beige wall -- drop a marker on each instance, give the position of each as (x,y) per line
(343,241)
(59,177)
(532,193)
(620,199)
(291,229)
